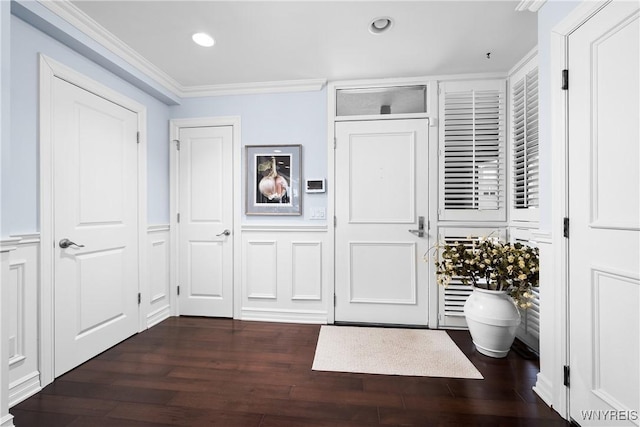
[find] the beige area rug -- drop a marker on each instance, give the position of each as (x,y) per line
(390,351)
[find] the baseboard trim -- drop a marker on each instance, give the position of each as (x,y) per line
(24,388)
(158,316)
(6,421)
(544,389)
(284,316)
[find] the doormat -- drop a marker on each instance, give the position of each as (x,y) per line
(390,351)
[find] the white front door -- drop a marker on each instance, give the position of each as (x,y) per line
(205,242)
(604,213)
(96,207)
(381,186)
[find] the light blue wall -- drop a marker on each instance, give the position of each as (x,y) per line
(289,118)
(20,192)
(270,119)
(551,13)
(5,84)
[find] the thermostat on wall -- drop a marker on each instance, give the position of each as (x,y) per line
(314,186)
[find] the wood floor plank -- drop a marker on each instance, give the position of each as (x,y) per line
(191,371)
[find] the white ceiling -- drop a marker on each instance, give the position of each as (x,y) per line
(269,41)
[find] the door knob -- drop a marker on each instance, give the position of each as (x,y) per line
(226,232)
(65,243)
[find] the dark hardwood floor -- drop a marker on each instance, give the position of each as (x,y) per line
(220,372)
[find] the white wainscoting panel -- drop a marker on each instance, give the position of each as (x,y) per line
(159,270)
(261,271)
(284,274)
(23,285)
(306,270)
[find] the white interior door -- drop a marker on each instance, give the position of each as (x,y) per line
(381,187)
(205,242)
(604,212)
(96,206)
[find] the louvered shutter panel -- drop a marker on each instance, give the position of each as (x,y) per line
(524,143)
(472,151)
(529,329)
(455,294)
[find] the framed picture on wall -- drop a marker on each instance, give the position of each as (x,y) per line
(273,174)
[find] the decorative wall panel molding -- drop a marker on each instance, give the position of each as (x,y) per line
(23,342)
(159,270)
(285,276)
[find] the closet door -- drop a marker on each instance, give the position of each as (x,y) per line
(604,215)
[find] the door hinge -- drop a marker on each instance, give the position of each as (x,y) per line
(565,79)
(178,290)
(139,298)
(335,221)
(178,218)
(138,137)
(334,299)
(566,375)
(177,144)
(565,228)
(335,142)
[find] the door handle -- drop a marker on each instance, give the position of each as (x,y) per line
(65,243)
(420,231)
(226,232)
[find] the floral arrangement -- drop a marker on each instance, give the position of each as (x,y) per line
(490,264)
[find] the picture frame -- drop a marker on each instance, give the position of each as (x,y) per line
(273,179)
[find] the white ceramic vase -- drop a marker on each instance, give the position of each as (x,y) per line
(493,320)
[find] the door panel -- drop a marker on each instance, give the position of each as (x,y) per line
(381,190)
(206,211)
(96,199)
(604,209)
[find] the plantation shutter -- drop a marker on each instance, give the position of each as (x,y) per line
(472,151)
(525,147)
(529,329)
(455,294)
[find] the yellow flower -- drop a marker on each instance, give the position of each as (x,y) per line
(522,276)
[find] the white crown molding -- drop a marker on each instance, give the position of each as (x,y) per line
(530,5)
(87,25)
(258,87)
(80,20)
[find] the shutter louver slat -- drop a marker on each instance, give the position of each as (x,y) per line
(473,151)
(525,141)
(455,294)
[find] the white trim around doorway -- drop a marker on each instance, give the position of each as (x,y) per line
(174,127)
(50,69)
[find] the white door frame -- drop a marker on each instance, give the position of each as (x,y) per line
(174,130)
(49,70)
(560,197)
(432,218)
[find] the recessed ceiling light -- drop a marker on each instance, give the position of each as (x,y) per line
(380,25)
(203,39)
